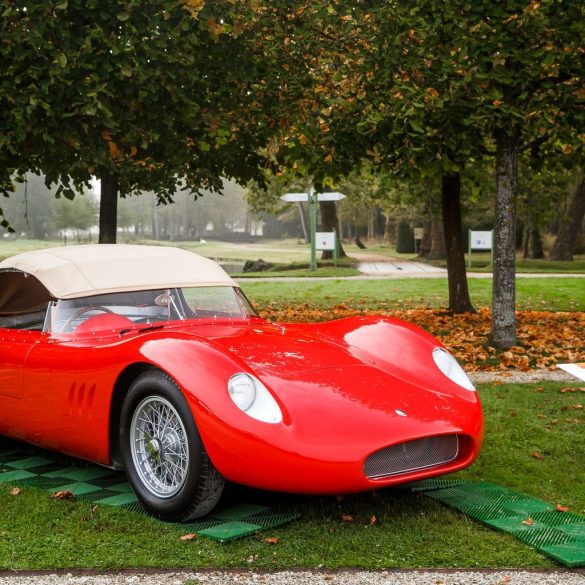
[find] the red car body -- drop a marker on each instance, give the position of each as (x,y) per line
(347,389)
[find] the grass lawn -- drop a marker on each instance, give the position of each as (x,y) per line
(413,531)
(540,294)
(292,256)
(480,262)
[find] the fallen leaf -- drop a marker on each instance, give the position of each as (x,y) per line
(63,495)
(562,508)
(271,540)
(347,518)
(189,536)
(529,521)
(15,491)
(537,455)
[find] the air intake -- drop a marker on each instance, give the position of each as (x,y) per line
(412,456)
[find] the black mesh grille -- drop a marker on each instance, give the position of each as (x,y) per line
(412,455)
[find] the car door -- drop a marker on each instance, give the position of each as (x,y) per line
(15,345)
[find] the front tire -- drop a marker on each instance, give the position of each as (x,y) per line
(164,457)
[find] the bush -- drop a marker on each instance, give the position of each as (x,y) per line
(405,238)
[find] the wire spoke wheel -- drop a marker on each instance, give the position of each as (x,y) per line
(164,457)
(159,446)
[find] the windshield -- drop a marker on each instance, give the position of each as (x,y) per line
(122,310)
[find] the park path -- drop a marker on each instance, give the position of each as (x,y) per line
(318,577)
(399,269)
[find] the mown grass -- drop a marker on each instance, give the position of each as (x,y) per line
(540,294)
(481,262)
(412,530)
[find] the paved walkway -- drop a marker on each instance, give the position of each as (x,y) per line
(399,267)
(388,270)
(347,577)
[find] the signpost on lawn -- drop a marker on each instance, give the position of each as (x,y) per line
(311,198)
(481,241)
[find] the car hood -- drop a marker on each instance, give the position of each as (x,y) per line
(274,349)
(299,365)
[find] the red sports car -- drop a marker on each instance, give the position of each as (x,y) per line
(151,359)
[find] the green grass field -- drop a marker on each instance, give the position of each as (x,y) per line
(412,531)
(540,294)
(294,252)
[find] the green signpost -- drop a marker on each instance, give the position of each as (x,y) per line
(311,197)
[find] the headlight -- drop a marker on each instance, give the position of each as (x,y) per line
(252,397)
(242,390)
(451,368)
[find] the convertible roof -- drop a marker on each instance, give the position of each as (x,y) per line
(80,271)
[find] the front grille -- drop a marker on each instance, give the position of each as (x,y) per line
(411,456)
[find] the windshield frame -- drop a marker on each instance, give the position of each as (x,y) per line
(163,306)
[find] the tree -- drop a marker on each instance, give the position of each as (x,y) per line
(30,209)
(35,212)
(569,229)
(77,214)
(359,92)
(520,69)
(424,84)
(146,98)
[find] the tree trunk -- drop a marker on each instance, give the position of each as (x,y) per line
(459,301)
(532,240)
(389,229)
(569,229)
(108,210)
(378,223)
(536,251)
(330,222)
(425,243)
(437,251)
(304,223)
(503,333)
(371,224)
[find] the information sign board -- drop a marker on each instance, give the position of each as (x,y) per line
(325,240)
(480,240)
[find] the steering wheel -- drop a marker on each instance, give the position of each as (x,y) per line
(80,312)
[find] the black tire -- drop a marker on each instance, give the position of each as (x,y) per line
(152,472)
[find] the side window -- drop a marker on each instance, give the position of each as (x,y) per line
(23,301)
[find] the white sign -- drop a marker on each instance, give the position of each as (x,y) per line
(294,197)
(325,240)
(480,240)
(331,196)
(418,233)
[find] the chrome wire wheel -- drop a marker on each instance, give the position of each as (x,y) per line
(159,446)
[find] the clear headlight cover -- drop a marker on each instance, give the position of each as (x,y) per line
(252,397)
(451,368)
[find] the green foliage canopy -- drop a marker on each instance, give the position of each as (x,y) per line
(156,93)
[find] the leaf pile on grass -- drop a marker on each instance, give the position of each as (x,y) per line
(544,338)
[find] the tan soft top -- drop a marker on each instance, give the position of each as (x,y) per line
(81,271)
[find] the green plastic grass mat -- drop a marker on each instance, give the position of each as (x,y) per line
(97,485)
(560,535)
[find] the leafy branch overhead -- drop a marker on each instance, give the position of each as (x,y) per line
(155,97)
